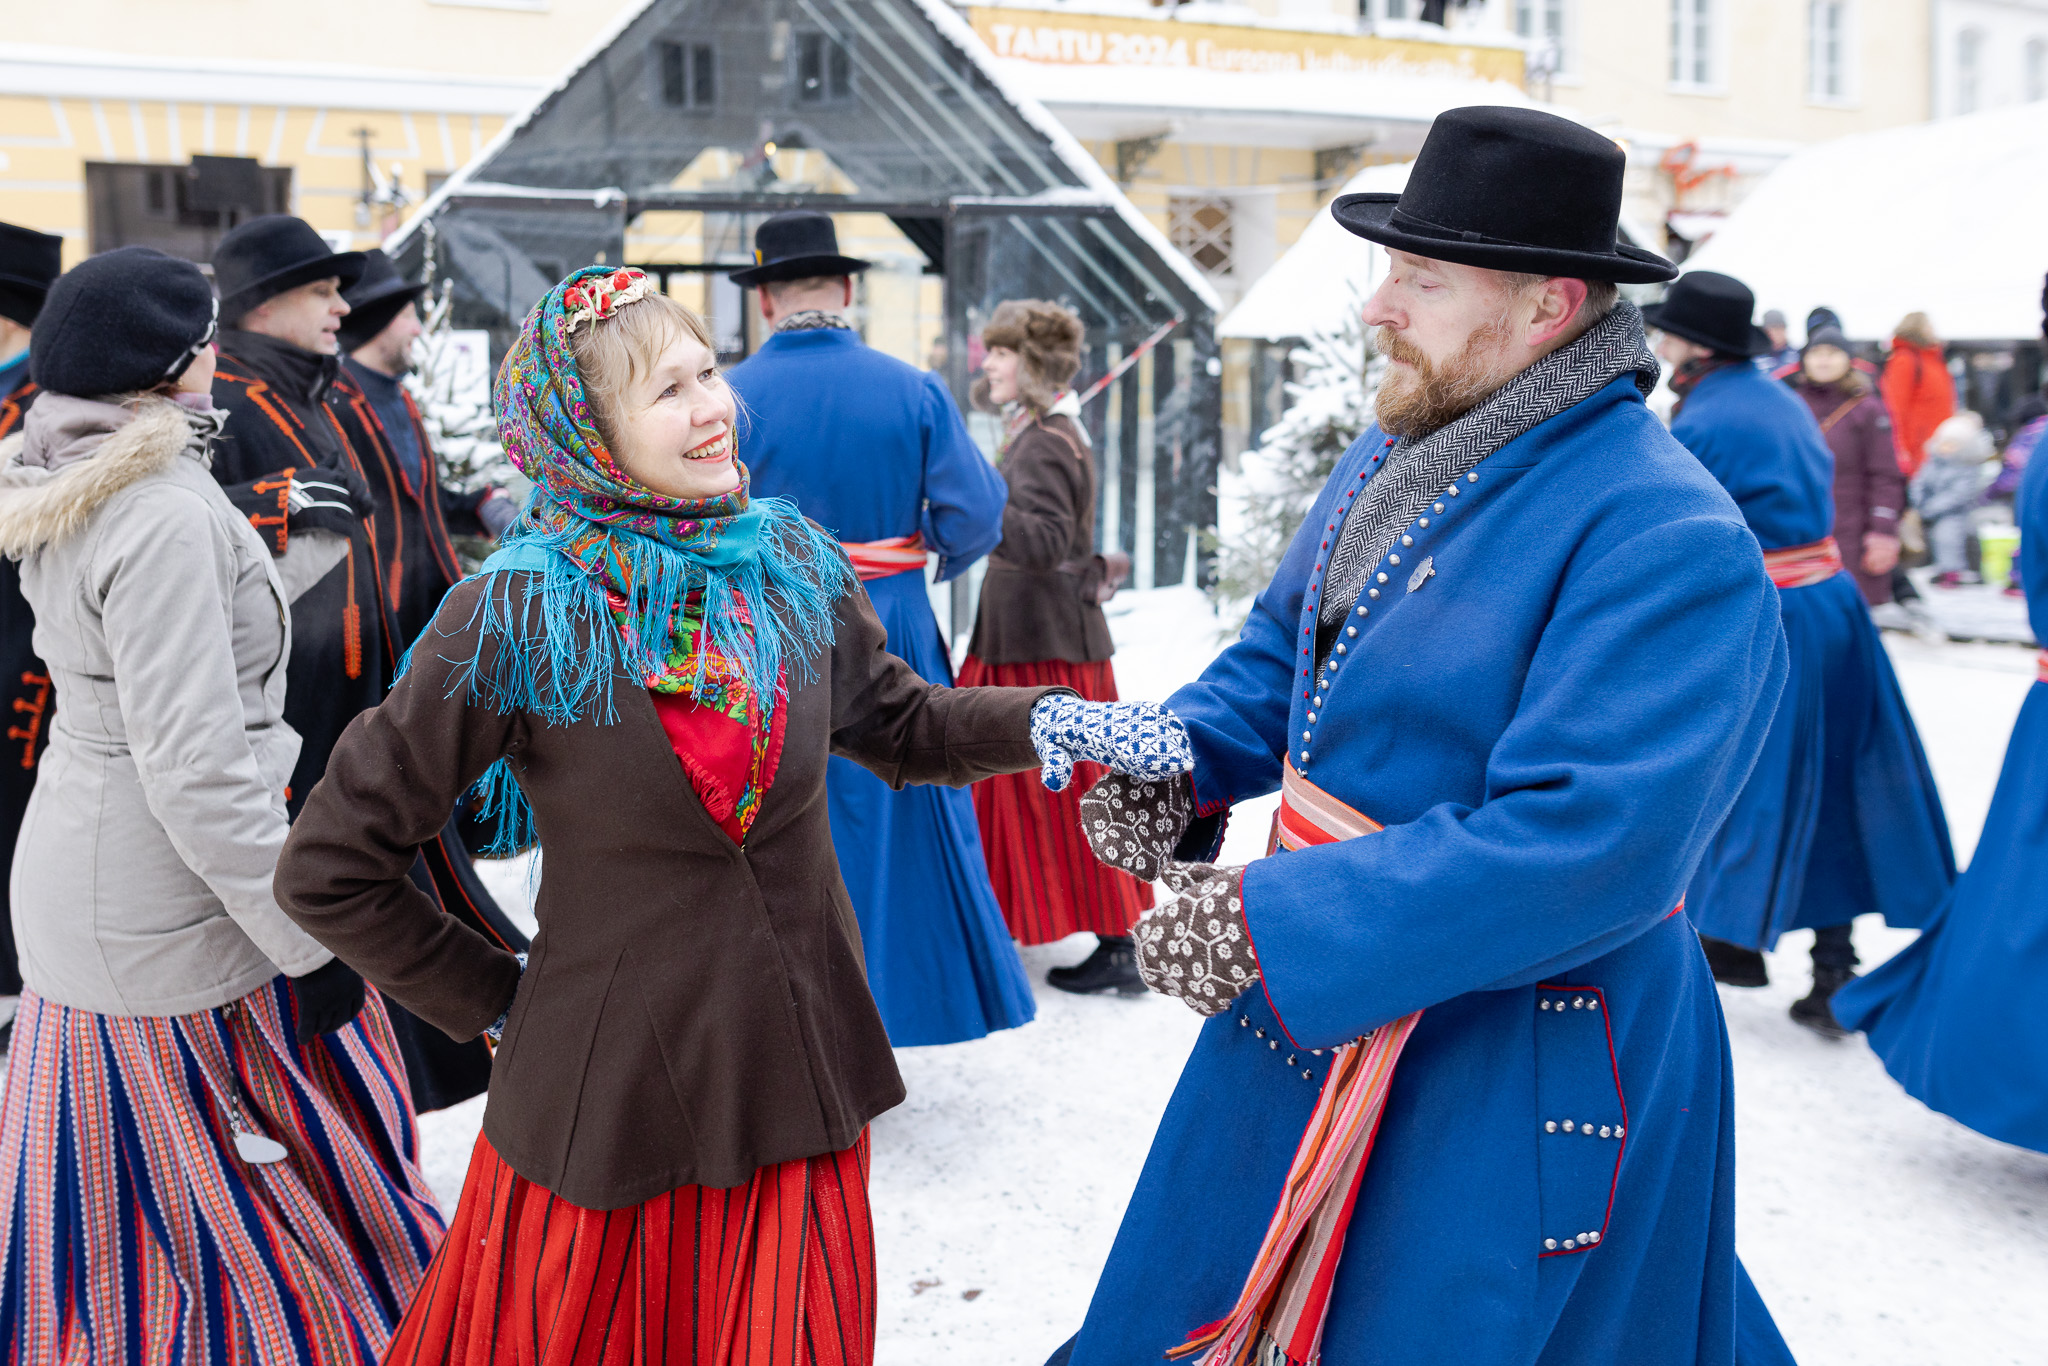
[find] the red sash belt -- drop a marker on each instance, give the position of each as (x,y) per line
(1287,1294)
(884,559)
(1801,566)
(2041,666)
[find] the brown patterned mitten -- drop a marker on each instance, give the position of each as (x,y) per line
(1196,946)
(1134,823)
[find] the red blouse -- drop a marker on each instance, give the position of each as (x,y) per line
(717,753)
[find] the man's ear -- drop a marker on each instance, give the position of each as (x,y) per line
(1557,305)
(846,300)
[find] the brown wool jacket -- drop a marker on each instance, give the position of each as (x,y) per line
(1031,607)
(692,1010)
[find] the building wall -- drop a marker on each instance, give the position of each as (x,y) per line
(1989,54)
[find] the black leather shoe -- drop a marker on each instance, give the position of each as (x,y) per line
(1815,1010)
(1112,967)
(1734,965)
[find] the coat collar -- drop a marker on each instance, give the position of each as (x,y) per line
(87,452)
(292,370)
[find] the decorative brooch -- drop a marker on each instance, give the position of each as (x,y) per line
(598,297)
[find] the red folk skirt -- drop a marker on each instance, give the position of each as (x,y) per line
(777,1272)
(1047,880)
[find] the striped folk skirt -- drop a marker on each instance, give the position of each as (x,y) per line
(1047,879)
(777,1272)
(134,1233)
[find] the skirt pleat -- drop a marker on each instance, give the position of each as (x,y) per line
(133,1232)
(776,1272)
(1047,880)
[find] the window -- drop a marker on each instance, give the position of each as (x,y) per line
(1543,23)
(1693,59)
(1827,50)
(1969,63)
(824,72)
(2035,69)
(1200,228)
(182,210)
(688,75)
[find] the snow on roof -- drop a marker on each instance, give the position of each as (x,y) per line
(1948,218)
(1319,279)
(1397,93)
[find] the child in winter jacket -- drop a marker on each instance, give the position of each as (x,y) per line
(1948,487)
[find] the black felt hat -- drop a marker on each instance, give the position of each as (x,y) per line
(128,319)
(797,245)
(267,256)
(1510,189)
(375,299)
(1710,309)
(29,261)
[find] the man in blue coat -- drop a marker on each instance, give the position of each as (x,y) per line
(1841,815)
(875,451)
(1464,1092)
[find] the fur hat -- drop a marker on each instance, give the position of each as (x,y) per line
(1962,438)
(1047,340)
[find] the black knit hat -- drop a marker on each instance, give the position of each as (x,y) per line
(1827,336)
(1713,310)
(127,319)
(1510,189)
(29,261)
(375,299)
(267,256)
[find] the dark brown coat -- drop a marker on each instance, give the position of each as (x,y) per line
(1031,597)
(693,1010)
(1870,489)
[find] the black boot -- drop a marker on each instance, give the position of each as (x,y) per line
(1733,965)
(1814,1009)
(1112,967)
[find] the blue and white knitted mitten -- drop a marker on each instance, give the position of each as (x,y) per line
(1140,738)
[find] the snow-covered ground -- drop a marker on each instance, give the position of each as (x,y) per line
(1880,1233)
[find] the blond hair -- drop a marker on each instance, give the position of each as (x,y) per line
(1917,328)
(616,353)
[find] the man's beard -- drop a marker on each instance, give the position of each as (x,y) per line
(1429,397)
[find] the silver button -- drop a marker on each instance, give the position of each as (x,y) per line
(1542,1004)
(1273,1044)
(1550,1244)
(1592,1003)
(1578,1003)
(1472,478)
(1454,490)
(1383,576)
(1586,1127)
(1244,1022)
(1606,1132)
(1307,736)
(1591,1238)
(1340,648)
(1570,1243)
(1293,1061)
(1567,1126)
(1549,1126)
(1422,521)
(1438,509)
(1262,1033)
(1393,559)
(1361,609)
(1304,756)
(1311,721)
(1619,1131)
(1407,539)
(1331,666)
(1371,593)
(1353,630)
(1307,1075)
(1315,1052)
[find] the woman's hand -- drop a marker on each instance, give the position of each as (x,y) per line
(1143,739)
(327,998)
(1880,552)
(1196,946)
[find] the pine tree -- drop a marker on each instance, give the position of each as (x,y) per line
(459,422)
(1329,404)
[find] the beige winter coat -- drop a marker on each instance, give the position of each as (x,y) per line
(141,881)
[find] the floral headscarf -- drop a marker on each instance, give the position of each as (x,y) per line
(713,596)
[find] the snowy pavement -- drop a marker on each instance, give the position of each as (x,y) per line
(1881,1234)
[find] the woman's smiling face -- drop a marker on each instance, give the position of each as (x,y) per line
(673,432)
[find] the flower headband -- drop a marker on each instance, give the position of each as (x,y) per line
(594,299)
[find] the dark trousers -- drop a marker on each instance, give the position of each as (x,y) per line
(1832,948)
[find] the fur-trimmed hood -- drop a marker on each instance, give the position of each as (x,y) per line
(73,454)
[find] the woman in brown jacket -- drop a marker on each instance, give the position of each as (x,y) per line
(1040,623)
(648,678)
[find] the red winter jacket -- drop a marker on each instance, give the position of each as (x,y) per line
(1918,390)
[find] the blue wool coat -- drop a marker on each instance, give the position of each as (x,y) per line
(1841,815)
(1550,726)
(871,448)
(1959,1015)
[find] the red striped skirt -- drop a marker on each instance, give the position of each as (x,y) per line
(132,1232)
(1047,880)
(777,1272)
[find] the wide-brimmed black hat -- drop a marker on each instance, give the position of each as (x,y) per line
(1710,309)
(267,256)
(1510,189)
(796,245)
(375,299)
(128,319)
(29,262)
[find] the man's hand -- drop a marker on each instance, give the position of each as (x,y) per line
(1143,739)
(1195,946)
(1880,553)
(1135,823)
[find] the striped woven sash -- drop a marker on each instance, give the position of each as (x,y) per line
(1801,566)
(1278,1317)
(2041,666)
(885,559)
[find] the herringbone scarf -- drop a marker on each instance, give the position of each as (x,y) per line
(1420,471)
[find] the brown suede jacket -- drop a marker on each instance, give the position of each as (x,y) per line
(693,1009)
